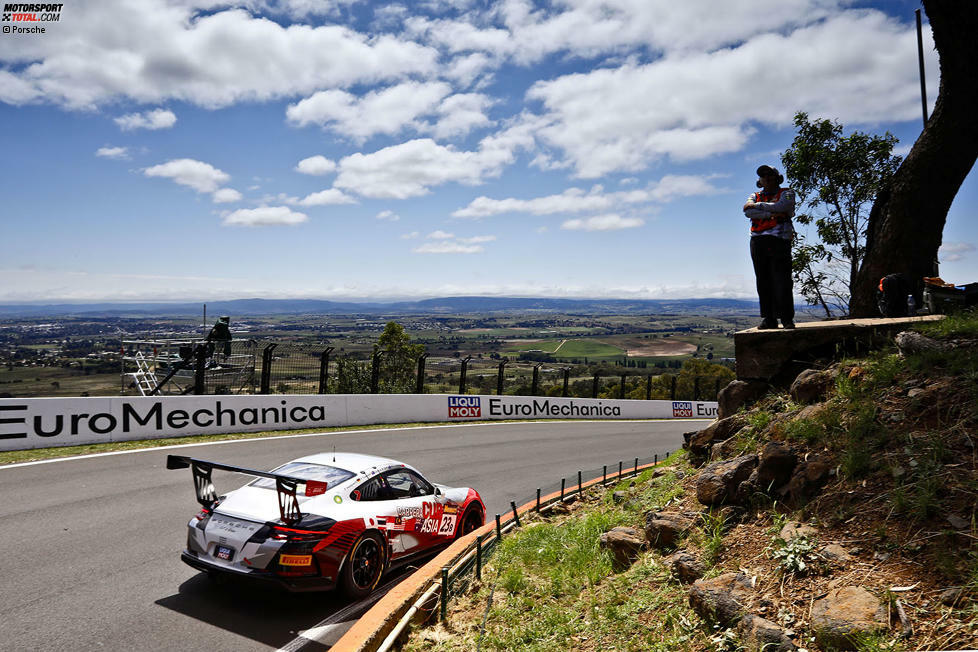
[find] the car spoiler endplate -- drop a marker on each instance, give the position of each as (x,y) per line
(285,485)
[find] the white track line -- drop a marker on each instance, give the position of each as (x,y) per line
(325,434)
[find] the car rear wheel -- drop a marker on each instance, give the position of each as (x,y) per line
(364,566)
(472,520)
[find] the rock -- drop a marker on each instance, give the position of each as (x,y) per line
(559,508)
(625,543)
(684,566)
(806,481)
(950,597)
(698,443)
(663,529)
(915,392)
(618,497)
(775,465)
(957,522)
(844,615)
(721,599)
(761,634)
(833,552)
(718,483)
(794,530)
(738,393)
(662,470)
(910,342)
(811,385)
(810,412)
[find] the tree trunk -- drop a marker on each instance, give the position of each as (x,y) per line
(906,223)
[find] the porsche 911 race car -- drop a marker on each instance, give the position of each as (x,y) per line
(323,521)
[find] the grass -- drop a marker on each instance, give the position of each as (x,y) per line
(557,589)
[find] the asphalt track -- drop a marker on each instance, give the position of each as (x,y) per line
(89,547)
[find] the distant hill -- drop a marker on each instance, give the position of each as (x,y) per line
(444,305)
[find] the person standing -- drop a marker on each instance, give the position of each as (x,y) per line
(770,211)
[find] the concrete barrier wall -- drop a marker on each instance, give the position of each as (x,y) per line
(45,422)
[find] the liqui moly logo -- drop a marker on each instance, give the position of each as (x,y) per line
(682,408)
(464,407)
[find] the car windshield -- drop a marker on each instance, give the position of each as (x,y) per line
(331,475)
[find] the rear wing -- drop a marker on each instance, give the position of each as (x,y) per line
(285,485)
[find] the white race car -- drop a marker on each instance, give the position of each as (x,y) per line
(322,521)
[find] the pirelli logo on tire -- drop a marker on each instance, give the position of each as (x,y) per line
(464,407)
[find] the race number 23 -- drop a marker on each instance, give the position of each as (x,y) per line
(447,525)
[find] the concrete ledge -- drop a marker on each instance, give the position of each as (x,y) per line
(777,355)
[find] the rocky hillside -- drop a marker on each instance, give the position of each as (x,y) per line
(838,515)
(865,473)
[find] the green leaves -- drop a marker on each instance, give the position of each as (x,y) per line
(836,178)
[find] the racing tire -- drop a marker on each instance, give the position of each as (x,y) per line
(472,520)
(364,566)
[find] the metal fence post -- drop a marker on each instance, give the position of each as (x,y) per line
(375,371)
(566,382)
(461,377)
(696,388)
(620,462)
(716,394)
(419,387)
(266,369)
(324,370)
(594,386)
(648,387)
(499,379)
(621,392)
(200,362)
(580,485)
(536,380)
(636,467)
(499,529)
(672,390)
(538,499)
(562,481)
(516,516)
(604,474)
(444,594)
(478,557)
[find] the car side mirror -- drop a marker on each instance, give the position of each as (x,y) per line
(437,491)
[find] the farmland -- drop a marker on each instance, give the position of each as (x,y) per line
(76,355)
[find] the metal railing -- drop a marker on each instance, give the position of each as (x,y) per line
(454,580)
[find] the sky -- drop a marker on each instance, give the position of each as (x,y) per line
(349,149)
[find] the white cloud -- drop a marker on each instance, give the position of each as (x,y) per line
(152,120)
(440,235)
(198,175)
(610,222)
(328,197)
(577,200)
(388,216)
(153,51)
(113,152)
(264,216)
(413,235)
(446,247)
(952,251)
(316,165)
(226,196)
(477,239)
(425,107)
(625,118)
(410,169)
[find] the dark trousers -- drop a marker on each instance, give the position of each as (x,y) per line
(771,256)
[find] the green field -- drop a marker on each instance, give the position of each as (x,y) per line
(563,349)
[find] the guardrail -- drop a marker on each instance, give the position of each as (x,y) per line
(433,585)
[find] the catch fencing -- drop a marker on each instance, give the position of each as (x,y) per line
(253,367)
